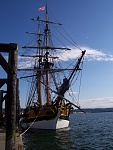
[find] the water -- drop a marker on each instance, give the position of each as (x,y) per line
(91,131)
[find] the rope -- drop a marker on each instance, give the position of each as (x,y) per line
(29,126)
(76,45)
(80,82)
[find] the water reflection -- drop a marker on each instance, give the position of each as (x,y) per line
(40,140)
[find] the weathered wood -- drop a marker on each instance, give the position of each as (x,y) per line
(7,47)
(17,104)
(11,101)
(1,97)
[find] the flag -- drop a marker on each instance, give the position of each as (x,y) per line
(41,8)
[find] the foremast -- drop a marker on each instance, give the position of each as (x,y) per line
(39,73)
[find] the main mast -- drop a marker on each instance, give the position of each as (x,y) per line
(47,63)
(39,73)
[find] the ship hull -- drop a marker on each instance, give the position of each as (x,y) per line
(52,124)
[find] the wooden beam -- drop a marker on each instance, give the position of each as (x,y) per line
(7,47)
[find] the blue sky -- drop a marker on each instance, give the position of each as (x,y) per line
(88,22)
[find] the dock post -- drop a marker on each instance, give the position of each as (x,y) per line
(17,104)
(11,100)
(1,97)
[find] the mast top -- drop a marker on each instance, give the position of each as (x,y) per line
(46,19)
(46,12)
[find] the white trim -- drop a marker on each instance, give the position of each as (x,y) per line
(53,124)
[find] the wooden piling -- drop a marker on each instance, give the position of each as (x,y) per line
(11,101)
(1,97)
(17,104)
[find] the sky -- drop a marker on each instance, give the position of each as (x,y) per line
(88,22)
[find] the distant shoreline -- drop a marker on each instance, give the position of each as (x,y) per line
(87,110)
(93,110)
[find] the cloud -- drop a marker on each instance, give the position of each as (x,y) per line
(105,102)
(25,62)
(91,55)
(97,55)
(74,92)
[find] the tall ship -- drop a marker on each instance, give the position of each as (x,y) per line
(48,106)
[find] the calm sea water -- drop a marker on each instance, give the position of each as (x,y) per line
(90,131)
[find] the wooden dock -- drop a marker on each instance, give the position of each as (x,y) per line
(18,142)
